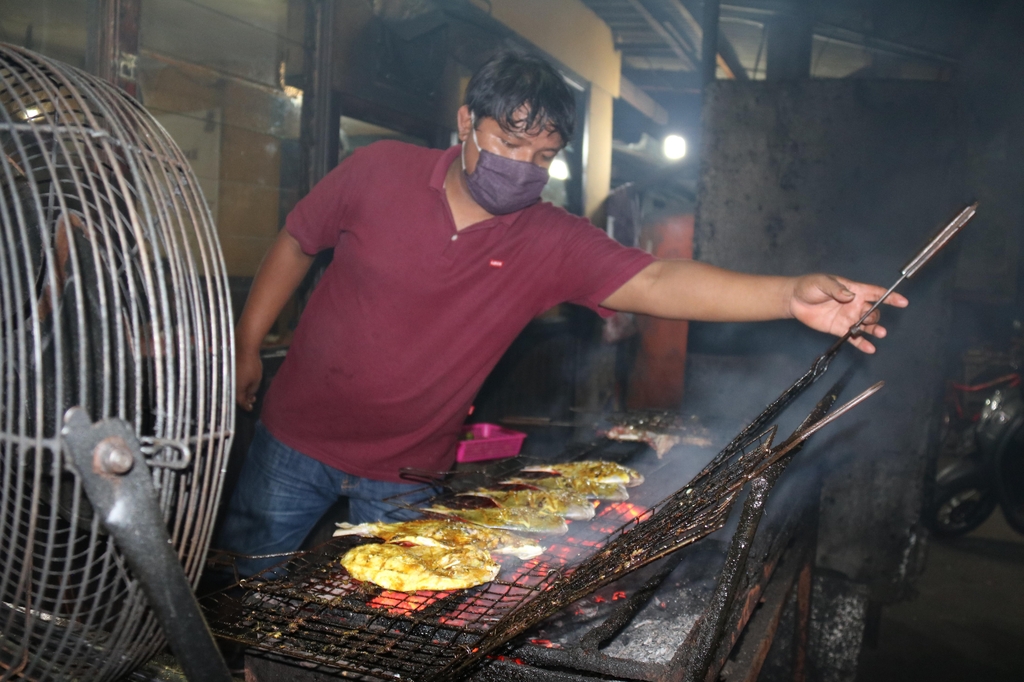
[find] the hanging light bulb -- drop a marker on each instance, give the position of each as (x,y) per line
(559,169)
(674,147)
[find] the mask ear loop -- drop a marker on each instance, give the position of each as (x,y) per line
(472,121)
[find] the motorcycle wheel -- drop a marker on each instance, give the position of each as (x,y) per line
(1010,477)
(964,498)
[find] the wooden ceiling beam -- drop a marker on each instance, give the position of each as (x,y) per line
(669,39)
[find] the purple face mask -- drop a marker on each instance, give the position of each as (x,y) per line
(502,185)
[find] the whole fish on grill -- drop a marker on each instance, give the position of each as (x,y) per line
(521,519)
(565,503)
(445,533)
(660,442)
(595,470)
(594,490)
(661,430)
(420,567)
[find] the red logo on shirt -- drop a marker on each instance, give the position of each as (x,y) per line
(495,263)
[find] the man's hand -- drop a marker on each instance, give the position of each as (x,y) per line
(248,374)
(833,304)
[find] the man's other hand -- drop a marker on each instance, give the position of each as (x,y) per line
(248,374)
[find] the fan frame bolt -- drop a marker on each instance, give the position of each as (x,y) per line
(113,456)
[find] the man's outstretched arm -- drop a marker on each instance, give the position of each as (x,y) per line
(279,275)
(689,290)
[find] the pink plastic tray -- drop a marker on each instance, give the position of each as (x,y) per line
(489,441)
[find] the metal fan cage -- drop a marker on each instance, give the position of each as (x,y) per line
(113,298)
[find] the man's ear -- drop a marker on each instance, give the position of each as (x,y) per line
(465,123)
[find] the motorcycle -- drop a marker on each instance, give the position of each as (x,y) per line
(984,435)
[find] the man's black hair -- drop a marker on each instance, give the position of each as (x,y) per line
(510,81)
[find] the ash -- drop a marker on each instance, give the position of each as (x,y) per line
(661,627)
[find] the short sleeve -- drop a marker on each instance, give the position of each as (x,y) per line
(318,219)
(594,266)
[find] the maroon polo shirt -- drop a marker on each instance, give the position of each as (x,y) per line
(411,316)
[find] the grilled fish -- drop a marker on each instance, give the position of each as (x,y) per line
(419,567)
(660,442)
(566,503)
(661,430)
(595,470)
(509,518)
(595,490)
(445,533)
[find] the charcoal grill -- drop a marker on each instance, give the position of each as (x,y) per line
(116,381)
(309,609)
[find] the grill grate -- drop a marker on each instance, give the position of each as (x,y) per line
(309,608)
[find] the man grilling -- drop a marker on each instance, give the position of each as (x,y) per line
(441,258)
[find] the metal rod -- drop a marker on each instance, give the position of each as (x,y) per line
(804,434)
(940,240)
(319,113)
(709,44)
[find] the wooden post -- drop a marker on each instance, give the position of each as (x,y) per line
(321,113)
(113,45)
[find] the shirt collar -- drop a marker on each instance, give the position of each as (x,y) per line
(441,170)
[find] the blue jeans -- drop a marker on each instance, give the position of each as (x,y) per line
(282,493)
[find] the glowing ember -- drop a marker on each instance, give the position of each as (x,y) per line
(544,643)
(400,603)
(627,510)
(618,595)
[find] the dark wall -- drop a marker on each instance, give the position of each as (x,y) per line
(991,84)
(849,177)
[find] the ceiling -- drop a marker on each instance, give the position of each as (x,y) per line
(661,40)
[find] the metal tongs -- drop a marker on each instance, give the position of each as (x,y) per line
(821,364)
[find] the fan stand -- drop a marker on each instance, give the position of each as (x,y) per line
(105,455)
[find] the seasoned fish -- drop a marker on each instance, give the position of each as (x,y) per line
(661,430)
(595,490)
(419,567)
(594,470)
(565,503)
(509,518)
(660,442)
(445,533)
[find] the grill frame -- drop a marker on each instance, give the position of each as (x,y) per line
(690,514)
(559,580)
